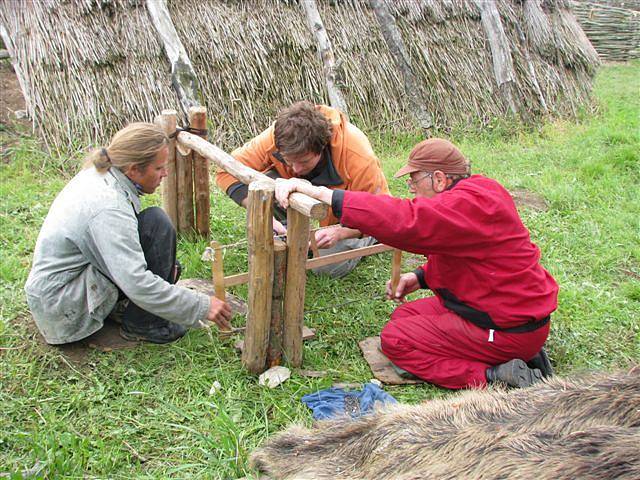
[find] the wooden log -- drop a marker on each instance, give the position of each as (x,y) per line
(274,352)
(184,177)
(167,121)
(217,271)
(500,51)
(183,76)
(308,206)
(260,236)
(531,68)
(396,265)
(298,245)
(325,51)
(393,39)
(198,119)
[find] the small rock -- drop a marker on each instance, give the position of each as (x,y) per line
(21,114)
(274,376)
(215,387)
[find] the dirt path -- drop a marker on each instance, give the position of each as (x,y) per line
(11,98)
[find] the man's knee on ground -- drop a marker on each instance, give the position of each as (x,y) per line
(392,342)
(155,218)
(337,270)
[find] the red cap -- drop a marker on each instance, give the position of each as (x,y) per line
(436,154)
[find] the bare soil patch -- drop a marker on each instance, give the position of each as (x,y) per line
(11,99)
(527,199)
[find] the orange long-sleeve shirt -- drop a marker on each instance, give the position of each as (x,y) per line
(351,154)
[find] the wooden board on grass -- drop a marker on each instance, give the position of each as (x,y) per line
(201,285)
(380,365)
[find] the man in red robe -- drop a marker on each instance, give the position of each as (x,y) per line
(491,311)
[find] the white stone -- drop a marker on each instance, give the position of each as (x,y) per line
(274,376)
(215,387)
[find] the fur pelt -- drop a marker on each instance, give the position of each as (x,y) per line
(587,428)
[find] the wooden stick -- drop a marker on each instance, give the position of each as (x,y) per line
(303,203)
(167,120)
(396,265)
(274,352)
(314,243)
(298,244)
(260,236)
(198,119)
(217,271)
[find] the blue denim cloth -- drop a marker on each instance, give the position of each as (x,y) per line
(330,402)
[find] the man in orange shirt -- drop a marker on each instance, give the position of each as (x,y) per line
(318,144)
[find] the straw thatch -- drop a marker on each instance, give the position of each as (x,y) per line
(612,26)
(93,65)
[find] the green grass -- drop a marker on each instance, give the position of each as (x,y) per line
(147,413)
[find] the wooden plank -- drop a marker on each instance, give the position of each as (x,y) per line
(298,244)
(167,121)
(217,271)
(241,278)
(238,306)
(274,352)
(309,206)
(202,198)
(380,365)
(260,236)
(339,257)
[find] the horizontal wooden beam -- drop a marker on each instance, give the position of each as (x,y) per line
(342,256)
(302,203)
(317,262)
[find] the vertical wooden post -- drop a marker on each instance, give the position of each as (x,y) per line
(260,239)
(298,245)
(184,175)
(313,243)
(217,272)
(274,353)
(198,119)
(167,121)
(396,265)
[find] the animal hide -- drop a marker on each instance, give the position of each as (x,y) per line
(587,428)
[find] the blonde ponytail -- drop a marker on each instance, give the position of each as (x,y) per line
(136,144)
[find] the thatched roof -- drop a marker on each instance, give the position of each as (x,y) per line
(90,66)
(612,26)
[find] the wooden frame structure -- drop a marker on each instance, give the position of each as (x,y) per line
(277,269)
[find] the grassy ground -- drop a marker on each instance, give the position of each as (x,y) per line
(147,412)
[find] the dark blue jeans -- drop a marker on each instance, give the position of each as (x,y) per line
(158,241)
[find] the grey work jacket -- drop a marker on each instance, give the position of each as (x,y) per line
(88,244)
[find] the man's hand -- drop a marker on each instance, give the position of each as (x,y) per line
(328,237)
(408,283)
(284,188)
(219,313)
(278,228)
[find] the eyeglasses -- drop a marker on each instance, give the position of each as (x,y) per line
(411,183)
